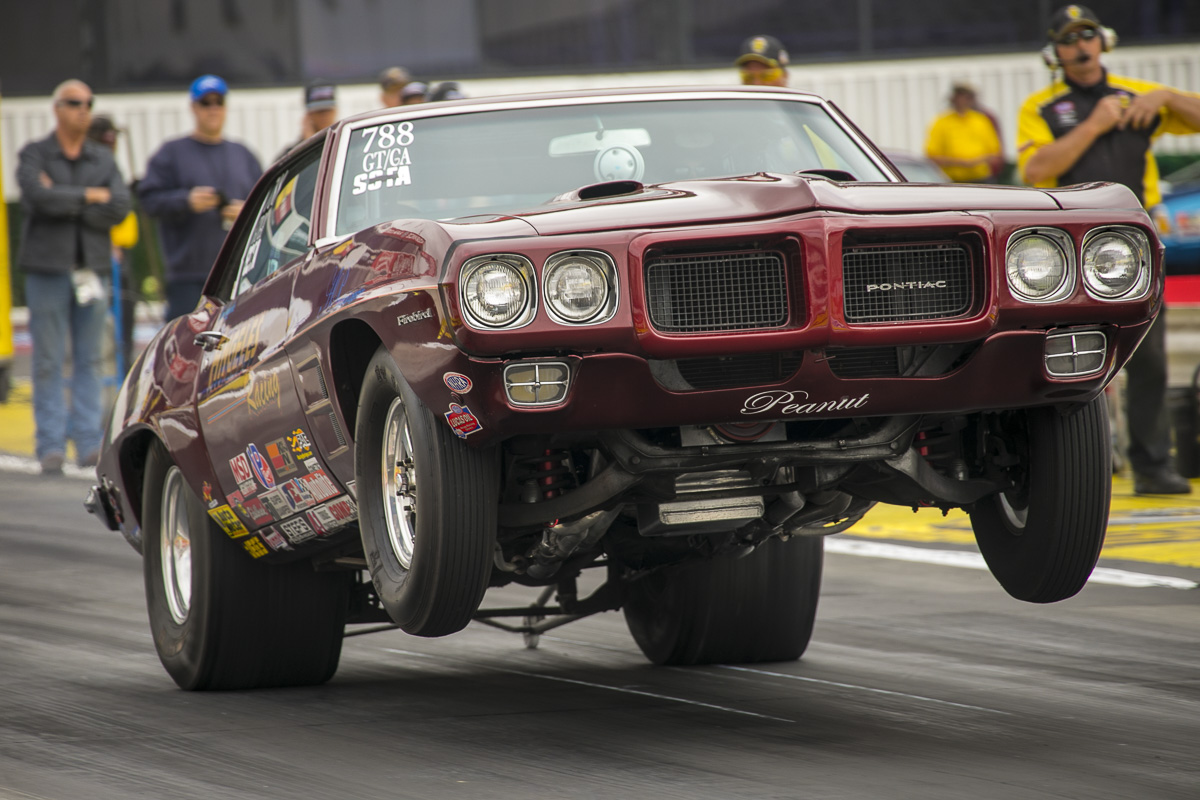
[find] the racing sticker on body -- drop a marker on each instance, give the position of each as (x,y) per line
(297,495)
(276,504)
(224,516)
(457,382)
(385,158)
(255,511)
(301,445)
(792,404)
(333,515)
(243,474)
(254,547)
(462,421)
(275,539)
(280,455)
(262,470)
(318,485)
(297,530)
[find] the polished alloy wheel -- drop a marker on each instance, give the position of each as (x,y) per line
(176,544)
(399,484)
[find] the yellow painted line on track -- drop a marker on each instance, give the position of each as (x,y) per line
(16,420)
(1158,529)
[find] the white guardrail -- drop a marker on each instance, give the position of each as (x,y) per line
(892,101)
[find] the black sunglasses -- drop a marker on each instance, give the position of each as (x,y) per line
(1087,34)
(209,102)
(73,103)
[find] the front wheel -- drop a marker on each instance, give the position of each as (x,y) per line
(219,620)
(427,507)
(1042,538)
(760,607)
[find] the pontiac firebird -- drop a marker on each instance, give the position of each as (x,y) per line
(678,336)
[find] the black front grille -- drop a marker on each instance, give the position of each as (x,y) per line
(894,282)
(716,292)
(727,372)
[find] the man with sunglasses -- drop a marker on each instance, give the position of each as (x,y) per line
(71,194)
(763,62)
(1095,126)
(195,185)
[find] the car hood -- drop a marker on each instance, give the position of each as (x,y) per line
(766,195)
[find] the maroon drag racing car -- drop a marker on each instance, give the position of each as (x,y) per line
(678,336)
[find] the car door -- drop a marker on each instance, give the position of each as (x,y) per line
(247,403)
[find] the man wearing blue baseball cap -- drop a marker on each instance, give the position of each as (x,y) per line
(195,186)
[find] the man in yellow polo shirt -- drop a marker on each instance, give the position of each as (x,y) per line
(963,141)
(1095,126)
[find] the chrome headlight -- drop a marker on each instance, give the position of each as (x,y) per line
(497,291)
(580,287)
(1038,264)
(1116,263)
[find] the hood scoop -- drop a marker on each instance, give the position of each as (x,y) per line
(597,191)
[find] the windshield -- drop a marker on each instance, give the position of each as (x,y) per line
(508,160)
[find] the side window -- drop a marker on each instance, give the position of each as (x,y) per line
(279,234)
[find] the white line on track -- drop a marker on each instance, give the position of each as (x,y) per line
(972,560)
(619,689)
(30,466)
(858,688)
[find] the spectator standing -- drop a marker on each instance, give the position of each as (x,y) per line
(320,111)
(124,238)
(195,185)
(446,90)
(415,92)
(391,83)
(763,62)
(72,193)
(1096,126)
(963,141)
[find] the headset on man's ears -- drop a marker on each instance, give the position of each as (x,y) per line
(1108,40)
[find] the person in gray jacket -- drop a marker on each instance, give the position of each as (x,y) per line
(72,193)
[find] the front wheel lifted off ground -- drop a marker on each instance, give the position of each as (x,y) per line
(427,506)
(219,619)
(1042,538)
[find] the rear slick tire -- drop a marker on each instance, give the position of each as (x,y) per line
(729,610)
(219,619)
(1041,540)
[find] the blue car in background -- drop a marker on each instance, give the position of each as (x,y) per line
(1178,220)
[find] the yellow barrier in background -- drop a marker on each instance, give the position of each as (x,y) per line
(6,329)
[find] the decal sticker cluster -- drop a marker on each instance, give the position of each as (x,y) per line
(287,511)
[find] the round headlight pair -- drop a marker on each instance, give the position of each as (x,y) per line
(499,291)
(1116,262)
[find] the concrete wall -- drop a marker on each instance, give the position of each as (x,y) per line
(892,101)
